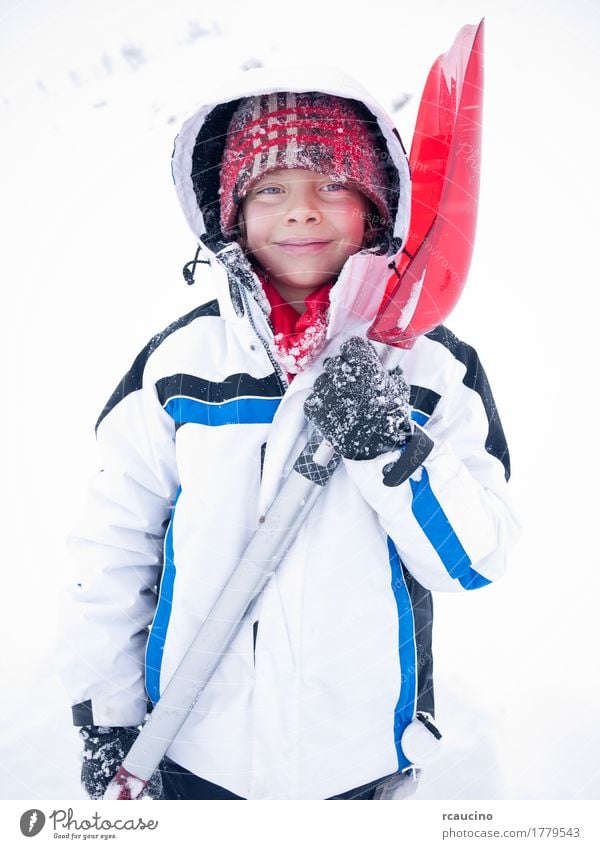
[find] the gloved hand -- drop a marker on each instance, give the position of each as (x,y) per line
(359,406)
(103,752)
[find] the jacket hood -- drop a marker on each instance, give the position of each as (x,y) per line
(199,145)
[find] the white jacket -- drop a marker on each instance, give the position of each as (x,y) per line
(334,659)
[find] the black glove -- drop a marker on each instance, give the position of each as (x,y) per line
(103,752)
(360,408)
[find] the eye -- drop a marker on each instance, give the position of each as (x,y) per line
(268,190)
(335,187)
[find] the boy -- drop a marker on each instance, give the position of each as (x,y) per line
(299,191)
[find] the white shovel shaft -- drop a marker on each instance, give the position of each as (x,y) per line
(275,533)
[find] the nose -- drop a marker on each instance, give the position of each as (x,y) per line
(303,215)
(303,209)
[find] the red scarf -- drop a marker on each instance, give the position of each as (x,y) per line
(299,339)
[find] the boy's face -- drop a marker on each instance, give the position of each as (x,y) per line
(301,227)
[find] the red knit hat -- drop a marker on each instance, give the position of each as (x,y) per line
(320,132)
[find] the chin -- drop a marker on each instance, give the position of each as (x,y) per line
(304,280)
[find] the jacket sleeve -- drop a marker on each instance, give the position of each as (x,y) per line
(117,553)
(443,502)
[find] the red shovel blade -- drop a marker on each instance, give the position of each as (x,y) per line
(445,156)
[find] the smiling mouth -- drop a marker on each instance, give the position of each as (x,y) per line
(303,246)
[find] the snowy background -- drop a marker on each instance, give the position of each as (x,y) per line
(91,97)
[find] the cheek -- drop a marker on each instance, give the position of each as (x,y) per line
(259,222)
(256,231)
(359,229)
(353,225)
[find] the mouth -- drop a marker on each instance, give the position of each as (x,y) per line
(303,246)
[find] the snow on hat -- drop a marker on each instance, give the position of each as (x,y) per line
(319,132)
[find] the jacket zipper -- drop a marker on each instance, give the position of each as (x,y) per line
(283,386)
(276,367)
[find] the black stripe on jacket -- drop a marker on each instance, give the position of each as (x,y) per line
(422,606)
(475,378)
(133,379)
(215,392)
(424,400)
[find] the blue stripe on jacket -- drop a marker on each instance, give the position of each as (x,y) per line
(236,411)
(440,533)
(405,707)
(419,417)
(158,631)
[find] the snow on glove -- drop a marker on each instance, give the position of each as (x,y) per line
(103,753)
(360,408)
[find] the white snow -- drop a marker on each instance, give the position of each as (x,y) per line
(93,243)
(306,349)
(409,308)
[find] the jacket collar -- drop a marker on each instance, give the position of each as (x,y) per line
(355,297)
